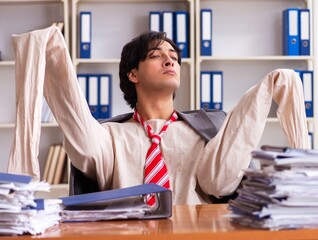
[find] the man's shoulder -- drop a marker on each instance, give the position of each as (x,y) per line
(119,118)
(210,112)
(184,115)
(205,122)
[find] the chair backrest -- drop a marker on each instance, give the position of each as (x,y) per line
(80,184)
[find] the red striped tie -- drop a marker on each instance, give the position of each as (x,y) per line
(155,169)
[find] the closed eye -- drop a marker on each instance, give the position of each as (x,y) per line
(174,58)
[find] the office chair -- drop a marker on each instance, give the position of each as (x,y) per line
(79,183)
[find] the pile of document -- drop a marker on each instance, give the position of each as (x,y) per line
(282,193)
(20,212)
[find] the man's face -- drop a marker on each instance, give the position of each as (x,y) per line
(159,72)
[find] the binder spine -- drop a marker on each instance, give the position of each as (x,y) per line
(155,21)
(291,37)
(205,90)
(206,32)
(217,90)
(181,28)
(85,34)
(167,24)
(93,95)
(105,89)
(307,80)
(304,24)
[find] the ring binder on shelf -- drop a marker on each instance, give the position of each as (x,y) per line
(206,32)
(291,32)
(181,32)
(217,90)
(205,90)
(105,95)
(155,21)
(212,90)
(304,24)
(93,95)
(307,79)
(85,34)
(167,24)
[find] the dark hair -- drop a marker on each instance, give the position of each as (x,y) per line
(135,52)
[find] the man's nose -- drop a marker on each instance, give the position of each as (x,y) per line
(168,62)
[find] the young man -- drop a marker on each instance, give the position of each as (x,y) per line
(121,154)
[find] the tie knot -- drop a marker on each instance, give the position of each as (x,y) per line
(155,138)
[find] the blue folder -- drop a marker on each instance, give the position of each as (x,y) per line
(306,77)
(15,178)
(205,90)
(155,21)
(92,94)
(167,24)
(163,195)
(181,32)
(211,90)
(105,95)
(206,32)
(85,34)
(304,26)
(217,90)
(291,37)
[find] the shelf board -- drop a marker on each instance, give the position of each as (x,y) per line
(56,191)
(12,125)
(252,58)
(94,61)
(134,1)
(275,120)
(29,1)
(6,63)
(78,61)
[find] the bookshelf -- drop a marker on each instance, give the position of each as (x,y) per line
(246,46)
(17,17)
(247,43)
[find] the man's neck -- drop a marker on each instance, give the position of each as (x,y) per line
(150,110)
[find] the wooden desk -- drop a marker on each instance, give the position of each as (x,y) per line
(187,222)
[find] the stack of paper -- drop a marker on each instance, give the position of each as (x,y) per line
(282,194)
(20,212)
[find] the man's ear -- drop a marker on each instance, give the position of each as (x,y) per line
(132,75)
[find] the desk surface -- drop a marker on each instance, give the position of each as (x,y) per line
(187,222)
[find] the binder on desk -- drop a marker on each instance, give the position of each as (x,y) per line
(105,91)
(307,78)
(15,178)
(85,34)
(205,90)
(291,45)
(206,32)
(182,32)
(92,95)
(304,25)
(123,201)
(155,21)
(167,24)
(217,90)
